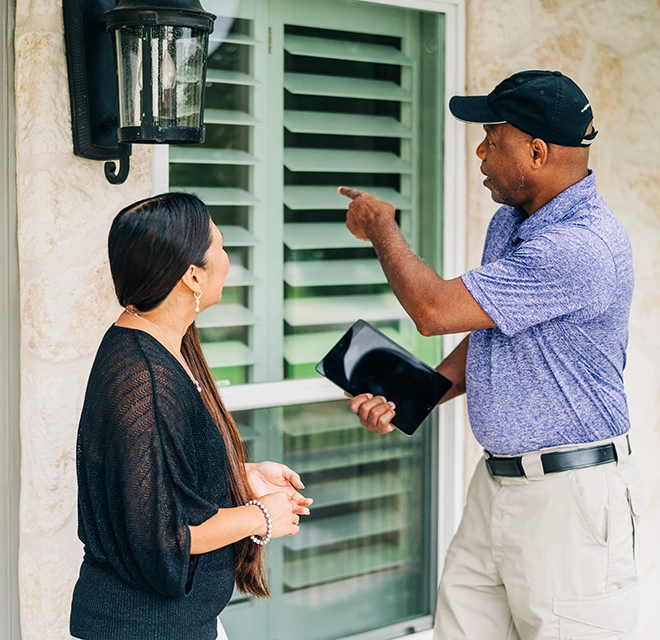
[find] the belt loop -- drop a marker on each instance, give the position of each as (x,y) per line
(622,446)
(533,466)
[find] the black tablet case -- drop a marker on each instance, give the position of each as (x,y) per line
(367,361)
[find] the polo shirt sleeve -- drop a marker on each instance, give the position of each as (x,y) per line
(561,272)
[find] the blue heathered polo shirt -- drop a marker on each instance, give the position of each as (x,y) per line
(558,285)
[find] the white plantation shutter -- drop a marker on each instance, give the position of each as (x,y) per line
(348,119)
(302,96)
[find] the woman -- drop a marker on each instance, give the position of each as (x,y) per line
(166,503)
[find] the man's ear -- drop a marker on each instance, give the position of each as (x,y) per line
(539,152)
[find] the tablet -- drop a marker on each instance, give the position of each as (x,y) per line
(367,361)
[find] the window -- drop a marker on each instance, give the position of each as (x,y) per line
(361,560)
(303,96)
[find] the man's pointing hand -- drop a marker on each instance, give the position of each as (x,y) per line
(366,213)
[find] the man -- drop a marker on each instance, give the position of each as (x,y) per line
(545,548)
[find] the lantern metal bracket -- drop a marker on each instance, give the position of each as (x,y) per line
(117,176)
(93,85)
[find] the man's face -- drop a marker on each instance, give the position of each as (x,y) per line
(501,153)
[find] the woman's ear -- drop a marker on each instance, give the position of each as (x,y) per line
(191,278)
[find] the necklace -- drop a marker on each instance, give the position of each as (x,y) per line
(181,360)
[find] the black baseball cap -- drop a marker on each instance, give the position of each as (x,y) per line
(543,104)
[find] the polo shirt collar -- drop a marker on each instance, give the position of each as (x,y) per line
(560,207)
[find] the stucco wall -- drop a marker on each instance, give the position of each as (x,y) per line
(65,206)
(612,50)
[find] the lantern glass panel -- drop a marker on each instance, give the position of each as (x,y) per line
(177,58)
(178,55)
(129,71)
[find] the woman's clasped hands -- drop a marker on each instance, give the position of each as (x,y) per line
(276,485)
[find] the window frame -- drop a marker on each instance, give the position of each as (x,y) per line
(9,342)
(452,416)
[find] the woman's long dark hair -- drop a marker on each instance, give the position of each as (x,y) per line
(151,245)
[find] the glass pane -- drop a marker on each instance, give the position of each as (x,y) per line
(295,105)
(335,133)
(129,71)
(362,559)
(177,67)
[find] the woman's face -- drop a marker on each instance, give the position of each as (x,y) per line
(216,270)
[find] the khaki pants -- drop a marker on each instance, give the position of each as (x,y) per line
(545,556)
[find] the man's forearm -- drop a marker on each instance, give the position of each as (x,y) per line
(436,306)
(411,279)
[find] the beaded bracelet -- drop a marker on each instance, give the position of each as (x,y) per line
(269,532)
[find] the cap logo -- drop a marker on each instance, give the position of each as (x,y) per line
(586,106)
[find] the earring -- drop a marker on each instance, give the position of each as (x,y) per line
(197,297)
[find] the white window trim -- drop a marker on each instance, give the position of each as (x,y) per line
(160,159)
(9,341)
(452,414)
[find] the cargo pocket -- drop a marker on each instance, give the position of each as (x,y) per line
(607,617)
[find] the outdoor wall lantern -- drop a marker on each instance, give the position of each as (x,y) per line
(137,74)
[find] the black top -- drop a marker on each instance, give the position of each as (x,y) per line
(150,462)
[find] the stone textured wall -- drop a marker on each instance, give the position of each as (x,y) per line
(65,206)
(612,50)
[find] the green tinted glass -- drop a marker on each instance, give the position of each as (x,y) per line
(362,558)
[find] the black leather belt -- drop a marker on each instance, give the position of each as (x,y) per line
(556,461)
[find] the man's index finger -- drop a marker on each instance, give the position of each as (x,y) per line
(348,192)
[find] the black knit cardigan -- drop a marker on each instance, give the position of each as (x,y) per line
(150,462)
